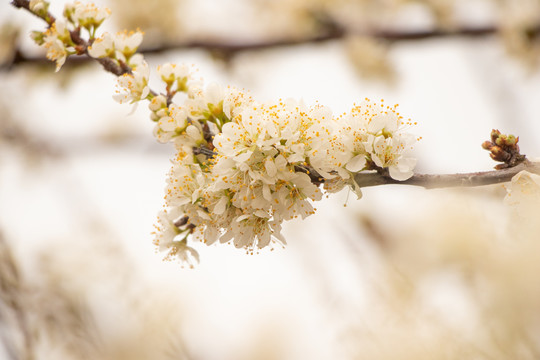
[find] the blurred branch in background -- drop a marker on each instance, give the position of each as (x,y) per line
(231,48)
(307,22)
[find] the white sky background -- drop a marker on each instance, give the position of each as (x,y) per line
(456,90)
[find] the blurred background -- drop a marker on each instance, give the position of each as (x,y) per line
(403,273)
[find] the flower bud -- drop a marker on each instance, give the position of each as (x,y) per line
(38,37)
(494,135)
(486,145)
(498,154)
(157,103)
(39,7)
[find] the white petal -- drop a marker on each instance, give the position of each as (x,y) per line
(244,156)
(221,205)
(264,239)
(211,234)
(226,237)
(357,163)
(397,174)
(193,132)
(242,217)
(214,94)
(266,192)
(377,160)
(167,124)
(261,213)
(271,168)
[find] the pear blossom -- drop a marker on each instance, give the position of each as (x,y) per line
(126,44)
(389,153)
(173,73)
(55,40)
(157,103)
(166,231)
(88,15)
(102,46)
(169,239)
(133,87)
(293,197)
(373,135)
(214,103)
(121,46)
(171,126)
(251,230)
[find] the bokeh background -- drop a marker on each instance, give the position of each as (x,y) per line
(403,273)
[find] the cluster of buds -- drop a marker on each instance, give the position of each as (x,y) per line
(505,149)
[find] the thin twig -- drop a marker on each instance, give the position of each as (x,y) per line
(433,181)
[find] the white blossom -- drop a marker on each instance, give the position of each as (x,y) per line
(133,87)
(172,125)
(102,46)
(55,41)
(169,239)
(87,15)
(126,43)
(374,133)
(391,153)
(173,73)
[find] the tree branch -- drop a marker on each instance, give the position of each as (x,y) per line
(432,181)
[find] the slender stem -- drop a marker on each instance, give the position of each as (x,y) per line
(434,181)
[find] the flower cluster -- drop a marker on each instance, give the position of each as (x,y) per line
(121,47)
(133,86)
(244,167)
(63,37)
(88,16)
